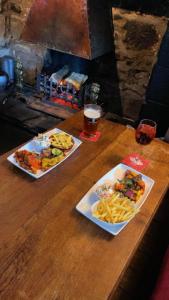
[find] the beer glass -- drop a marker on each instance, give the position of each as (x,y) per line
(146,131)
(92,115)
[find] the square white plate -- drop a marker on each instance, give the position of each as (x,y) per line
(30,147)
(85,204)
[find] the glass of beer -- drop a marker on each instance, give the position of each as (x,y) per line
(146,131)
(92,115)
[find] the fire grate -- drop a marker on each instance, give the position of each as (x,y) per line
(62,87)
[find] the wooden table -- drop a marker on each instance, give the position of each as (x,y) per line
(47,249)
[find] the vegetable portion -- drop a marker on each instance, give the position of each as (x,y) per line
(131,186)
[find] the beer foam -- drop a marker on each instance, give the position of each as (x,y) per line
(92,113)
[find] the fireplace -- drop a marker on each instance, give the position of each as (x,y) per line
(69,80)
(62,79)
(115,58)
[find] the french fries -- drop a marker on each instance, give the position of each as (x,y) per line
(114,209)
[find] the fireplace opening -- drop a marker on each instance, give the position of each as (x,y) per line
(68,80)
(62,79)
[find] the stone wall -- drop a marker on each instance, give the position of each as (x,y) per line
(2,30)
(12,19)
(137,39)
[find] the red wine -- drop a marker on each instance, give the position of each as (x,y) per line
(143,138)
(145,133)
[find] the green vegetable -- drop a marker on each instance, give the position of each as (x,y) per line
(129,182)
(56,152)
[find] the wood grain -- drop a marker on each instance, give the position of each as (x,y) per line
(48,250)
(52,110)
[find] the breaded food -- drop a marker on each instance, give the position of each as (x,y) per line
(61,141)
(50,162)
(28,160)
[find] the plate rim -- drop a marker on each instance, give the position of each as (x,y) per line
(10,158)
(94,220)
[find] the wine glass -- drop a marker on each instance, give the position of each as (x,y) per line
(146,131)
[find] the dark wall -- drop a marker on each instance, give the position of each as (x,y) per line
(156,7)
(157,96)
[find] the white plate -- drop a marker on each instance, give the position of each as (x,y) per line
(31,147)
(85,204)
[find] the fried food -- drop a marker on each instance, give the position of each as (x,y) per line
(28,160)
(115,209)
(47,157)
(50,162)
(35,162)
(61,141)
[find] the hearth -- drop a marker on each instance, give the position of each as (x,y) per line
(14,109)
(12,136)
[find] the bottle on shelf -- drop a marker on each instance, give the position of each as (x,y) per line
(92,93)
(19,73)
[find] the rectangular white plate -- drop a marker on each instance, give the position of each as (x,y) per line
(30,147)
(85,204)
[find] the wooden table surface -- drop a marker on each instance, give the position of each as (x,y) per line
(47,249)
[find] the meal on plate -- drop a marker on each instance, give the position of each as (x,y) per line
(51,157)
(41,141)
(28,160)
(131,186)
(47,157)
(105,190)
(115,209)
(61,141)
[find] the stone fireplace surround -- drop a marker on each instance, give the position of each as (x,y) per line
(123,75)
